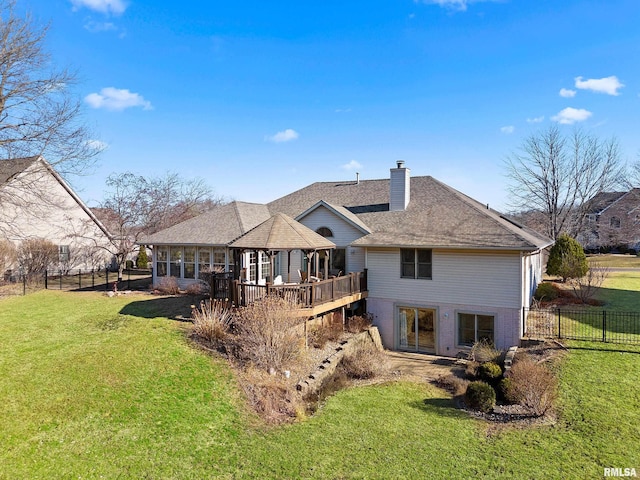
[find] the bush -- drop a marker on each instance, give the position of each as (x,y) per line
(320,335)
(211,321)
(567,258)
(532,385)
(271,396)
(7,256)
(142,261)
(505,387)
(365,363)
(546,291)
(358,323)
(198,288)
(490,372)
(452,383)
(36,255)
(480,396)
(471,370)
(167,286)
(484,351)
(128,265)
(266,335)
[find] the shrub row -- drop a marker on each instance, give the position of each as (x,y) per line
(527,383)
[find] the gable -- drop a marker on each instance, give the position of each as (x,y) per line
(343,231)
(43,205)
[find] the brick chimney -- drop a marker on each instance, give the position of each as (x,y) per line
(399,189)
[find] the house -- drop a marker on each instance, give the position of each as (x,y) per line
(37,203)
(442,270)
(612,220)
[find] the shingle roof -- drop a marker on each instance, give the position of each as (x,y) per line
(219,226)
(9,168)
(437,215)
(602,200)
(349,216)
(281,232)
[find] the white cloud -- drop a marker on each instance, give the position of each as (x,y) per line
(567,93)
(569,116)
(98,145)
(117,99)
(115,7)
(95,27)
(283,136)
(509,129)
(458,5)
(352,165)
(609,85)
(535,119)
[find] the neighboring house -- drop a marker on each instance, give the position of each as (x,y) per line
(37,203)
(442,269)
(612,221)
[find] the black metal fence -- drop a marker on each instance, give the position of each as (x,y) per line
(21,284)
(587,324)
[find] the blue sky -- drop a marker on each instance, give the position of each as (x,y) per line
(262,98)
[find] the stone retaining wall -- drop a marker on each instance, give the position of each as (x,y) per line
(314,381)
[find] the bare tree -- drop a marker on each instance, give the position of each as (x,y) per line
(39,114)
(557,175)
(136,206)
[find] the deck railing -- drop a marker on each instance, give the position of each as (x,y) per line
(307,295)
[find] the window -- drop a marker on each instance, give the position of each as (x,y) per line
(161,257)
(325,232)
(252,266)
(204,262)
(474,327)
(338,260)
(219,260)
(415,263)
(614,222)
(175,254)
(64,254)
(189,262)
(265,265)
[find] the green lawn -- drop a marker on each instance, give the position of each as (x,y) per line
(621,291)
(98,387)
(614,260)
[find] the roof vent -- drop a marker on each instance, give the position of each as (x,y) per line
(357,178)
(400,163)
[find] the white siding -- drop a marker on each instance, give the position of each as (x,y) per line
(463,281)
(469,278)
(343,234)
(532,269)
(45,209)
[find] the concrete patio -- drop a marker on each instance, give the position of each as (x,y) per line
(423,366)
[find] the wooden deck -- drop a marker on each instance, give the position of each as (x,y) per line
(314,298)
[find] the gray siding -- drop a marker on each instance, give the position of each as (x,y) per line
(343,234)
(467,278)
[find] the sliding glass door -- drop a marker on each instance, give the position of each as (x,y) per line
(416,329)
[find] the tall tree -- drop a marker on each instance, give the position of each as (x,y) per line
(39,114)
(135,206)
(557,174)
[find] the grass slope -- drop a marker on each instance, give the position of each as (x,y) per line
(88,391)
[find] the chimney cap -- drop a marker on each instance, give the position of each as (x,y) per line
(400,163)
